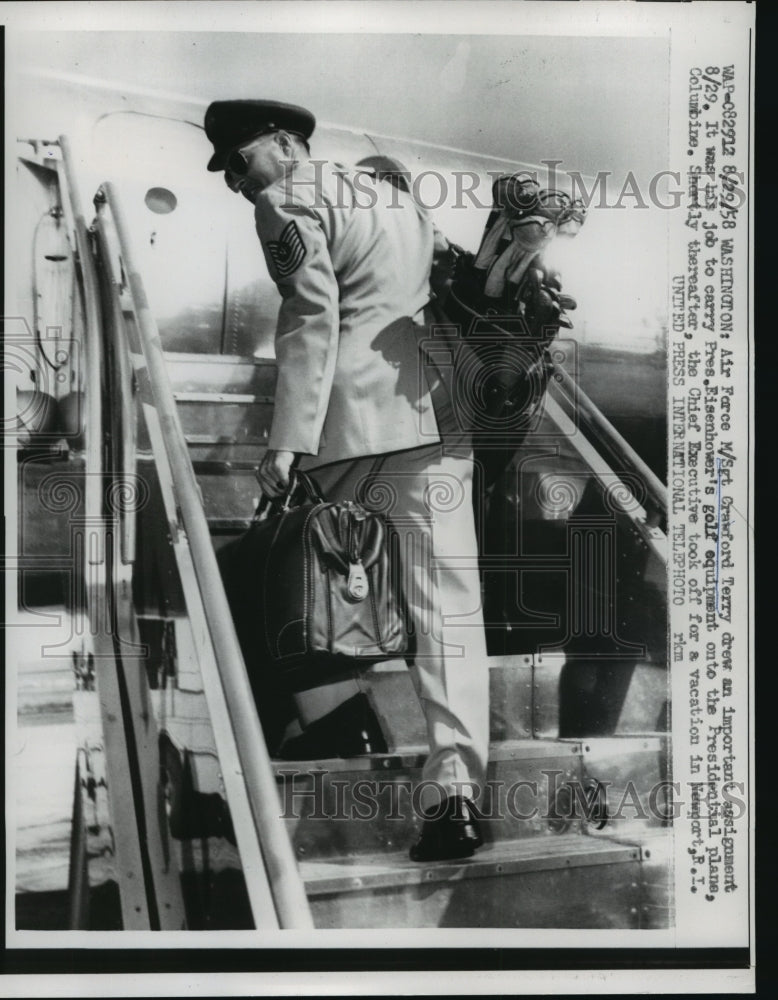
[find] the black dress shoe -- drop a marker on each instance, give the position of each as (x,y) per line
(455,833)
(349,730)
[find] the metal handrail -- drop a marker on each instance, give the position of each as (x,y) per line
(121,381)
(285,881)
(257,886)
(92,342)
(654,537)
(607,436)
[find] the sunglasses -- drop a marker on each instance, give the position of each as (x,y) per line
(237,164)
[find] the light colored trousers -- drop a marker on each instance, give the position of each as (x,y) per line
(426,495)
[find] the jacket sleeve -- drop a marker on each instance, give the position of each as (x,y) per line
(306,342)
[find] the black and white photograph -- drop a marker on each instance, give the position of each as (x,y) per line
(378,451)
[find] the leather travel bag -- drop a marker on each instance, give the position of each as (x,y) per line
(312,588)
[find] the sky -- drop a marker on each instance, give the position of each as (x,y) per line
(595,103)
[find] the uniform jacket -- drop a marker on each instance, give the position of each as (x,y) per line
(351,257)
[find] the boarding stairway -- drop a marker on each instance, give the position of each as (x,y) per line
(351,822)
(206,829)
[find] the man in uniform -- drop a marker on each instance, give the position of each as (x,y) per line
(351,256)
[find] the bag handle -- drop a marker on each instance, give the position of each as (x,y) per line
(353,535)
(282,504)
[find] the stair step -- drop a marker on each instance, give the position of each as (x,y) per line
(212,447)
(634,771)
(657,903)
(213,419)
(230,495)
(509,858)
(45,687)
(534,789)
(370,805)
(223,400)
(221,373)
(568,881)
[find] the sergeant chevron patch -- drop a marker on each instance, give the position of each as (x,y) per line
(288,251)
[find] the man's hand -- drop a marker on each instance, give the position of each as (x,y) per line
(273,472)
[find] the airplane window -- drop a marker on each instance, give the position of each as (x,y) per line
(160,200)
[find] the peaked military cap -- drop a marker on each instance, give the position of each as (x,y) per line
(230,123)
